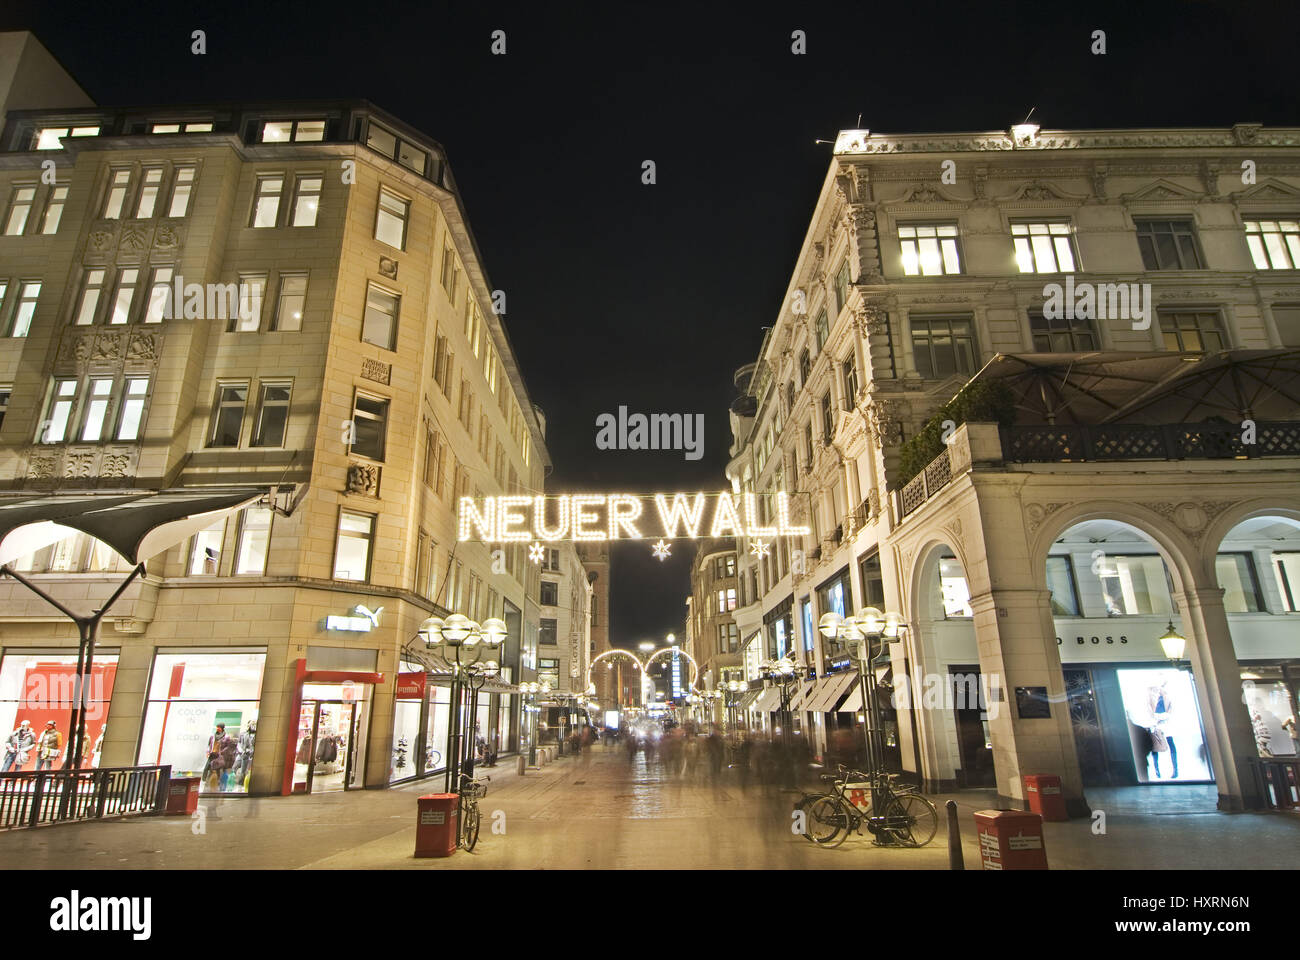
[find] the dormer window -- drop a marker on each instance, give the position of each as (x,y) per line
(51,138)
(298,131)
(382,140)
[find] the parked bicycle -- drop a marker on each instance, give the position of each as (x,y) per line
(899,816)
(472,790)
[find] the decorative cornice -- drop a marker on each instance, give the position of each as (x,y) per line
(1047,141)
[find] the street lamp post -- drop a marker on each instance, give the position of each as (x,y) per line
(867,636)
(732,690)
(477,675)
(785,674)
(461,643)
(530,689)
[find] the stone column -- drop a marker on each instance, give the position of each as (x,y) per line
(1229,736)
(126,711)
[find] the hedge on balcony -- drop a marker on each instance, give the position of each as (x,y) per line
(984,401)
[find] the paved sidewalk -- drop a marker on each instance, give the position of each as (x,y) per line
(601,811)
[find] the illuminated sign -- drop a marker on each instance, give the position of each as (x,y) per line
(368,620)
(615,516)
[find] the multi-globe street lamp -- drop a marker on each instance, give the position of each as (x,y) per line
(477,675)
(461,643)
(784,674)
(732,690)
(530,689)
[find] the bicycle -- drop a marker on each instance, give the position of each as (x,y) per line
(906,819)
(471,792)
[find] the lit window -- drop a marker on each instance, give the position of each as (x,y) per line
(929,249)
(380,323)
(1236,574)
(1274,244)
(165,128)
(1043,247)
(30,292)
(148,199)
(1060,582)
(118,186)
(293,295)
(352,550)
(306,201)
(56,424)
(126,283)
(100,393)
(370,427)
(952,586)
(205,127)
(272,415)
(205,558)
(182,186)
(160,292)
(51,138)
(228,415)
(1133,586)
(20,207)
(252,292)
(266,201)
(54,209)
(128,425)
(254,538)
(300,131)
(90,293)
(390,220)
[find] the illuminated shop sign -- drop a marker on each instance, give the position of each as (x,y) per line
(622,516)
(366,621)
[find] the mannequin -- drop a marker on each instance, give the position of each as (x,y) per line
(244,764)
(1161,705)
(18,746)
(49,746)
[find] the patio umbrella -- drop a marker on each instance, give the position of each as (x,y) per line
(1237,384)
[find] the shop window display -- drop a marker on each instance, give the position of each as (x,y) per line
(37,692)
(1164,723)
(201,717)
(332,732)
(406,730)
(1272,712)
(438,726)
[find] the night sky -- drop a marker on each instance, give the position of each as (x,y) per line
(651,296)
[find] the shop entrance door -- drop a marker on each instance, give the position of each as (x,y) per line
(973,740)
(1085,719)
(331,745)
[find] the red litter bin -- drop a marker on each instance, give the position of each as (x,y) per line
(182,796)
(1043,791)
(435,830)
(1010,840)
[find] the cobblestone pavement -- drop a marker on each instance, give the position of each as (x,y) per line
(601,811)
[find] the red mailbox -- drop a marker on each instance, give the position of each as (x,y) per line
(182,796)
(1010,840)
(1043,791)
(435,832)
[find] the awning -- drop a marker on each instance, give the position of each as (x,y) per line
(853,702)
(769,700)
(138,526)
(747,698)
(798,701)
(832,690)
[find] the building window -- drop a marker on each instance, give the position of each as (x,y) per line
(127,281)
(100,394)
(395,148)
(1060,582)
(5,392)
(370,427)
(390,219)
(272,415)
(29,293)
(872,580)
(20,208)
(1236,575)
(550,593)
(823,330)
(148,198)
(1288,580)
(842,287)
(726,599)
(850,369)
(202,127)
(442,359)
(450,273)
(1274,244)
(254,538)
(205,555)
(1193,332)
(247,316)
(306,200)
(160,292)
(546,633)
(1043,247)
(433,453)
(828,419)
(1134,586)
(182,188)
(299,131)
(728,637)
(1285,317)
(942,346)
(724,567)
(953,591)
(228,415)
(134,394)
(293,295)
(352,550)
(54,209)
(49,138)
(1062,335)
(56,423)
(929,249)
(380,324)
(91,289)
(1169,245)
(805,368)
(266,201)
(466,406)
(115,200)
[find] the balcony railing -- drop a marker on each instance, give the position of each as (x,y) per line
(926,483)
(31,798)
(1132,441)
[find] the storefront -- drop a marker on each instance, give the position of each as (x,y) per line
(421,719)
(328,749)
(37,688)
(1269,691)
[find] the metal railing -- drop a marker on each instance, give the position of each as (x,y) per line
(31,798)
(1214,440)
(1278,779)
(926,483)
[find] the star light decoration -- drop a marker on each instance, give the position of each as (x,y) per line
(661,550)
(537,552)
(760,549)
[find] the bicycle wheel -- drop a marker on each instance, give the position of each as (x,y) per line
(911,820)
(471,827)
(827,821)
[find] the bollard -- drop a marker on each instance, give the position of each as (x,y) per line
(521,764)
(955,859)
